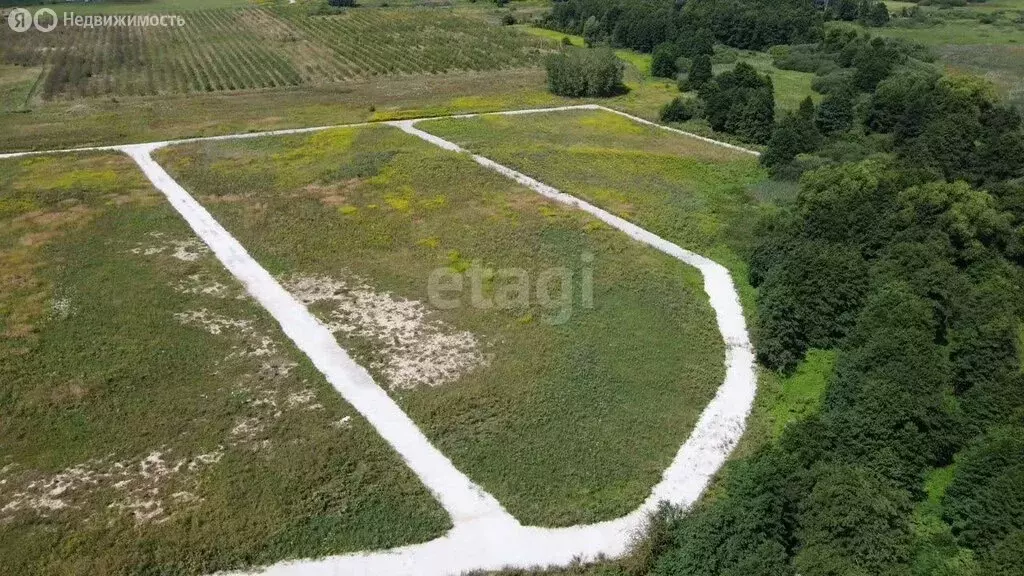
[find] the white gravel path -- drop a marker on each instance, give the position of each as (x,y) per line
(484,536)
(463,500)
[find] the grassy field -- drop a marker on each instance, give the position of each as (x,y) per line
(791,87)
(703,197)
(153,419)
(252,48)
(566,412)
(690,192)
(964,44)
(62,124)
(16,84)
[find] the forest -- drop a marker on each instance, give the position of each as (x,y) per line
(902,251)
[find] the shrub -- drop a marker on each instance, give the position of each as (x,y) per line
(985,502)
(593,32)
(663,62)
(834,81)
(700,72)
(794,134)
(679,110)
(836,113)
(742,102)
(579,72)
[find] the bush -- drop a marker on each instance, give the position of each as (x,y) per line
(699,72)
(663,62)
(794,134)
(742,102)
(836,81)
(804,58)
(836,113)
(985,502)
(580,72)
(679,110)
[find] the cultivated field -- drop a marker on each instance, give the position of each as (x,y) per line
(254,48)
(566,413)
(155,419)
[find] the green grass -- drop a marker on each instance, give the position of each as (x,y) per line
(1003,65)
(62,124)
(800,395)
(252,456)
(16,84)
(1020,346)
(791,87)
(567,422)
(553,35)
(935,549)
(638,62)
(895,6)
(957,32)
(964,45)
(685,190)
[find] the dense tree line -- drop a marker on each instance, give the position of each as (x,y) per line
(903,251)
(879,98)
(644,24)
(913,279)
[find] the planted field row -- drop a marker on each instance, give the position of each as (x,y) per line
(252,48)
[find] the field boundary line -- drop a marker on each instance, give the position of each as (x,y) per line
(289,131)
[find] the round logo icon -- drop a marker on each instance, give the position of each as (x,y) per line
(20,20)
(48,22)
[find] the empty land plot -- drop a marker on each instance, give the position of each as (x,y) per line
(690,192)
(254,48)
(565,413)
(153,419)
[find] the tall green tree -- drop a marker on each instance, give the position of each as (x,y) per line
(700,72)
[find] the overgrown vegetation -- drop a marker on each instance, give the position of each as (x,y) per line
(879,101)
(578,72)
(642,25)
(534,400)
(154,419)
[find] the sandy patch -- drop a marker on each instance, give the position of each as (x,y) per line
(140,487)
(202,285)
(188,250)
(416,350)
(213,322)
